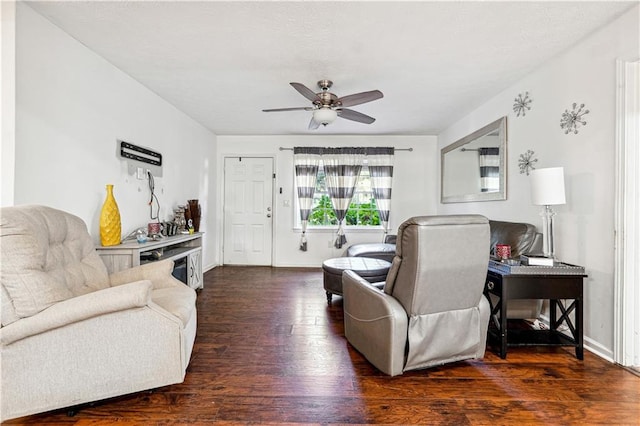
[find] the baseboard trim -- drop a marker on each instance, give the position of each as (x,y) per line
(589,344)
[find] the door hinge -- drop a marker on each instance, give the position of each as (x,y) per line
(274,175)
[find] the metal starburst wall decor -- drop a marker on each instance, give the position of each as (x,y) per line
(572,120)
(526,161)
(522,104)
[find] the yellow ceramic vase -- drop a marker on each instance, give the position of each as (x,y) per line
(110,226)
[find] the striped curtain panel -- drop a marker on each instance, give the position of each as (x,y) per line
(341,168)
(306,161)
(489,169)
(380,162)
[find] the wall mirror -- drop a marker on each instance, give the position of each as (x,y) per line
(474,167)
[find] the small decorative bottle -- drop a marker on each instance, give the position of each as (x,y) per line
(194,207)
(180,220)
(110,226)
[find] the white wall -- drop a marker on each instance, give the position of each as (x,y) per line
(585,225)
(415,188)
(7,99)
(71,106)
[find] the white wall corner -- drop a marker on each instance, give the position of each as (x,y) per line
(627,215)
(8,99)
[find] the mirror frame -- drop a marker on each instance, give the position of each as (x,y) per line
(500,125)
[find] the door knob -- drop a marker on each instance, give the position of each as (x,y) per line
(268,214)
(268,209)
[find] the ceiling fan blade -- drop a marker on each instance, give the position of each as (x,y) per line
(359,98)
(288,109)
(305,91)
(313,124)
(350,114)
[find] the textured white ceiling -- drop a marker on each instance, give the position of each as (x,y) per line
(223,62)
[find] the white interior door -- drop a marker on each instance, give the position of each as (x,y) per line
(248,215)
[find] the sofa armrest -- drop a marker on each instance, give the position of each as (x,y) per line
(101,302)
(375,323)
(159,273)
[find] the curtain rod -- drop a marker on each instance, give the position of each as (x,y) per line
(475,149)
(395,149)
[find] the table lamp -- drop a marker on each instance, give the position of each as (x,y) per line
(547,189)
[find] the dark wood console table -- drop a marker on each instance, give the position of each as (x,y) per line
(553,283)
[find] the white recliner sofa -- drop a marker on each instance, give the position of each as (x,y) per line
(70,333)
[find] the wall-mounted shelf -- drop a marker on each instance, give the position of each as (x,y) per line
(185,250)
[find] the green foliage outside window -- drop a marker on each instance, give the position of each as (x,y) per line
(362,211)
(363,214)
(323,213)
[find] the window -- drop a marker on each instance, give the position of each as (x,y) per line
(362,211)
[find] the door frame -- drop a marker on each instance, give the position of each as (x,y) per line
(224,195)
(627,215)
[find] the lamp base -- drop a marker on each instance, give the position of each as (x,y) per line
(548,249)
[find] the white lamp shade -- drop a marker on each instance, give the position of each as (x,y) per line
(325,115)
(547,186)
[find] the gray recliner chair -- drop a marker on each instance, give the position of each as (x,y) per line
(432,309)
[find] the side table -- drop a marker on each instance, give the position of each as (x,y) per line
(555,283)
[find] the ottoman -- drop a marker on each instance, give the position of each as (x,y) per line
(372,270)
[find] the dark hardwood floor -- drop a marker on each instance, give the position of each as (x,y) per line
(270,350)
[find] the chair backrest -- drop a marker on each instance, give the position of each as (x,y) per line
(440,263)
(46,256)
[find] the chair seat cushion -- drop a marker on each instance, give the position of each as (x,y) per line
(179,301)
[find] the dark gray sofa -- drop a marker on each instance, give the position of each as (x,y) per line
(522,237)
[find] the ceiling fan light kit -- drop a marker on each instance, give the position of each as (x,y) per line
(326,106)
(325,115)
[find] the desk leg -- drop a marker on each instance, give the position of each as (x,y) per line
(579,324)
(503,322)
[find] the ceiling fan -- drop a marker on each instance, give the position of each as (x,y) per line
(327,107)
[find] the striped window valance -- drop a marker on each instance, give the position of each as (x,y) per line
(380,163)
(342,167)
(306,161)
